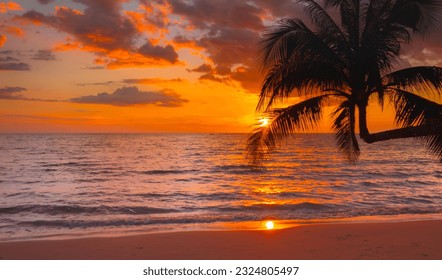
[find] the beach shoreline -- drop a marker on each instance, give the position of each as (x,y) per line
(399,240)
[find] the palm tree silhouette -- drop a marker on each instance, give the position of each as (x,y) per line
(349,65)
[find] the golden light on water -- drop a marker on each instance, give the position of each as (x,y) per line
(270,225)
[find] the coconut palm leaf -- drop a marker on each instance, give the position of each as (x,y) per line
(424,79)
(420,15)
(300,60)
(343,126)
(384,45)
(412,109)
(327,28)
(296,118)
(290,40)
(308,77)
(434,143)
(280,42)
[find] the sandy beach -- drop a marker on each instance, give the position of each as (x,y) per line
(383,241)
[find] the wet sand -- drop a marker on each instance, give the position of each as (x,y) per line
(350,241)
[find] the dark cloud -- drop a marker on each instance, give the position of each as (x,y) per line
(8,62)
(101,25)
(129,96)
(44,2)
(211,77)
(47,55)
(277,9)
(230,49)
(19,66)
(8,59)
(231,46)
(203,68)
(97,84)
(230,34)
(157,52)
(95,68)
(9,52)
(40,117)
(205,14)
(144,81)
(148,81)
(104,29)
(208,73)
(11,92)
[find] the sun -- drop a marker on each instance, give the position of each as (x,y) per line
(270,225)
(264,122)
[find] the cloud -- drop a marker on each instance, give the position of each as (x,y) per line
(97,84)
(228,50)
(103,28)
(94,68)
(228,38)
(47,55)
(203,68)
(43,117)
(2,40)
(424,51)
(20,66)
(44,2)
(203,14)
(130,96)
(150,81)
(9,6)
(12,30)
(8,59)
(143,81)
(100,26)
(9,63)
(11,92)
(157,52)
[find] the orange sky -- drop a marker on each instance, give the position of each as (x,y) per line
(143,66)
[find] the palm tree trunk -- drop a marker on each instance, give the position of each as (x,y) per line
(406,132)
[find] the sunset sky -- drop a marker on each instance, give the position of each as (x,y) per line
(144,65)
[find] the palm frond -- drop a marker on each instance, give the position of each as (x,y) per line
(422,16)
(350,13)
(329,31)
(413,110)
(382,36)
(281,41)
(307,76)
(343,126)
(291,39)
(375,83)
(383,46)
(434,142)
(333,3)
(296,118)
(424,79)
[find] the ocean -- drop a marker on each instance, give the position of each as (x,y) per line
(76,185)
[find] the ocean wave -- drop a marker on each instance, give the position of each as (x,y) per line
(237,169)
(116,222)
(71,163)
(166,171)
(276,207)
(52,210)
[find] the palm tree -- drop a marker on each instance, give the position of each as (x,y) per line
(349,64)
